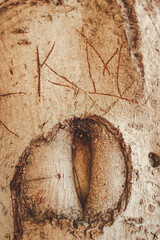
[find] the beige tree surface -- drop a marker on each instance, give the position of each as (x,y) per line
(79,119)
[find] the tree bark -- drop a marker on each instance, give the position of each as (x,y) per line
(79,119)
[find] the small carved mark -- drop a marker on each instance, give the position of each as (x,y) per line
(61,76)
(59,2)
(3,208)
(62,85)
(10,131)
(115,96)
(11,71)
(98,54)
(33,3)
(39,66)
(48,55)
(154,159)
(20,31)
(10,94)
(59,176)
(89,68)
(24,42)
(105,66)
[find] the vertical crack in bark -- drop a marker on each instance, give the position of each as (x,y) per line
(82,163)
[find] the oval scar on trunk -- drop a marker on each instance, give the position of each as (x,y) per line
(80,173)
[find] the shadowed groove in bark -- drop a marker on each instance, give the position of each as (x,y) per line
(82,163)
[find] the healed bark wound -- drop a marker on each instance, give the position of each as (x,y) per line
(79,173)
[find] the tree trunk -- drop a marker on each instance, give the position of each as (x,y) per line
(79,114)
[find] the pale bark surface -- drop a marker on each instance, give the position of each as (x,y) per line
(66,59)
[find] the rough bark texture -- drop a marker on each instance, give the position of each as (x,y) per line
(66,60)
